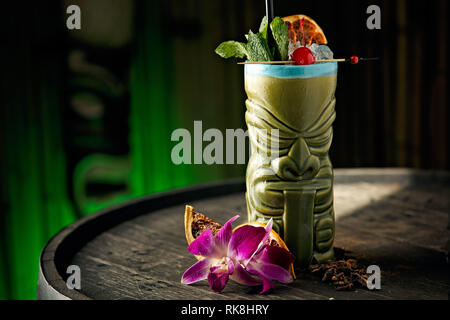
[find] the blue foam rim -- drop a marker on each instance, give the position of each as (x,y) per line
(288,71)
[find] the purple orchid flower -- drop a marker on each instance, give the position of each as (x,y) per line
(244,256)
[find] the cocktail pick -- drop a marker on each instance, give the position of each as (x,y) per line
(352,60)
(355,59)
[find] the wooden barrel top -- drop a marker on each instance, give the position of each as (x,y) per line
(397,219)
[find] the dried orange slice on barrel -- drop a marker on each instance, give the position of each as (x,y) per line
(195,223)
(313,33)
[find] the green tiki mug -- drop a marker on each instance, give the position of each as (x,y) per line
(290,111)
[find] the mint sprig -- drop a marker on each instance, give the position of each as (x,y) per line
(229,49)
(263,27)
(257,47)
(280,33)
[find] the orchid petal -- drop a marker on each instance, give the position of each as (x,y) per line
(244,242)
(240,275)
(203,245)
(198,271)
(268,229)
(276,255)
(214,268)
(263,242)
(218,279)
(223,237)
(267,284)
(230,265)
(270,271)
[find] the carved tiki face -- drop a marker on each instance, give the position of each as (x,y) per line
(290,129)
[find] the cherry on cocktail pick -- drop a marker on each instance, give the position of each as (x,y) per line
(355,59)
(303,56)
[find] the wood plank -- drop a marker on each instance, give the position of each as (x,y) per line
(139,257)
(397,224)
(113,282)
(408,271)
(104,279)
(393,220)
(134,246)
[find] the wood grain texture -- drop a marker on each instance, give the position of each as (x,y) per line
(393,218)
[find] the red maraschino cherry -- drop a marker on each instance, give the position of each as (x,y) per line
(303,56)
(354,59)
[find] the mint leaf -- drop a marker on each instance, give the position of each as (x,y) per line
(257,47)
(263,27)
(281,35)
(229,49)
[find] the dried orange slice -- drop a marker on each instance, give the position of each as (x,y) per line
(313,33)
(195,223)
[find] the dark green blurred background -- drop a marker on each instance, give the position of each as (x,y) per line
(86,115)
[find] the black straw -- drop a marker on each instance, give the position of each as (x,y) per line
(269,10)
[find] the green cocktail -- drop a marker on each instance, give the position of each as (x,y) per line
(290,111)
